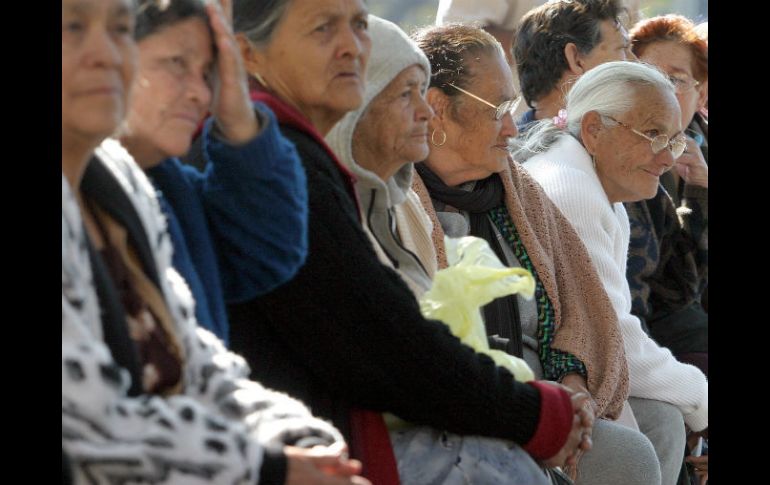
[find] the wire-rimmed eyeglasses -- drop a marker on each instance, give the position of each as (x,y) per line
(676,145)
(500,111)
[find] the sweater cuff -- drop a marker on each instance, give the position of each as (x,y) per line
(554,423)
(273,470)
(698,420)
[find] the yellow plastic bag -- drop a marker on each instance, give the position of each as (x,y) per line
(475,277)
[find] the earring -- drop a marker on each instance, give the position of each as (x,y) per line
(260,79)
(433,138)
(593,162)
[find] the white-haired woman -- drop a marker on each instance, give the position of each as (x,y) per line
(621,131)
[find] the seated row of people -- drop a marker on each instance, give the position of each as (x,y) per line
(304,248)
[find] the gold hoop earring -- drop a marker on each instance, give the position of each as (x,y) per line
(433,138)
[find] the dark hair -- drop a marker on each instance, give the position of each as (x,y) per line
(675,28)
(545,31)
(257,19)
(449,48)
(155,15)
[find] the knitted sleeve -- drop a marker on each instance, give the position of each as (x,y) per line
(255,197)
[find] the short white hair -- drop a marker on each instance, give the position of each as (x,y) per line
(609,89)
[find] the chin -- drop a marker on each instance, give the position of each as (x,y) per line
(176,150)
(349,99)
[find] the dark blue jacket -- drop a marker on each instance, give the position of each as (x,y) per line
(239,228)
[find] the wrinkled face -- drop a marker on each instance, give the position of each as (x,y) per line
(475,135)
(676,60)
(395,125)
(317,56)
(613,46)
(98,61)
(171,91)
(627,168)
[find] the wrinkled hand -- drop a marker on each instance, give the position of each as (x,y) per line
(231,106)
(691,166)
(322,465)
(577,383)
(579,438)
(701,466)
(699,463)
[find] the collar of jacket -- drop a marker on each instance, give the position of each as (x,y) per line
(290,116)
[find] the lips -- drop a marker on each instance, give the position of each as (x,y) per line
(191,118)
(654,174)
(348,76)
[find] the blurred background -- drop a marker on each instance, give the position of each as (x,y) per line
(409,14)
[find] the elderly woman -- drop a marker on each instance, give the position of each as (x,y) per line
(380,141)
(622,130)
(146,394)
(346,332)
(469,185)
(672,44)
(238,228)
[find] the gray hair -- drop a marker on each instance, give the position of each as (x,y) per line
(608,89)
(257,19)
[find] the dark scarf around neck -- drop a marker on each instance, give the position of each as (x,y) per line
(501,316)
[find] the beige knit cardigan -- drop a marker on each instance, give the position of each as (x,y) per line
(586,323)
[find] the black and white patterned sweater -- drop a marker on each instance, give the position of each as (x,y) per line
(215,431)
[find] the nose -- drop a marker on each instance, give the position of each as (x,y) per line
(508,129)
(424,111)
(665,159)
(102,50)
(352,42)
(198,90)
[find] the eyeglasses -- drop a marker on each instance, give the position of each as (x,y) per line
(675,145)
(500,111)
(683,84)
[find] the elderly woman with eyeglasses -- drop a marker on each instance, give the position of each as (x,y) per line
(622,130)
(672,43)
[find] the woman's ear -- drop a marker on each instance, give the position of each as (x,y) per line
(252,58)
(574,61)
(439,102)
(590,130)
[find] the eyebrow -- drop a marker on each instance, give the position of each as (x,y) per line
(85,7)
(678,70)
(80,8)
(654,124)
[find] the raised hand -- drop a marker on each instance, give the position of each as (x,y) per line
(691,166)
(231,107)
